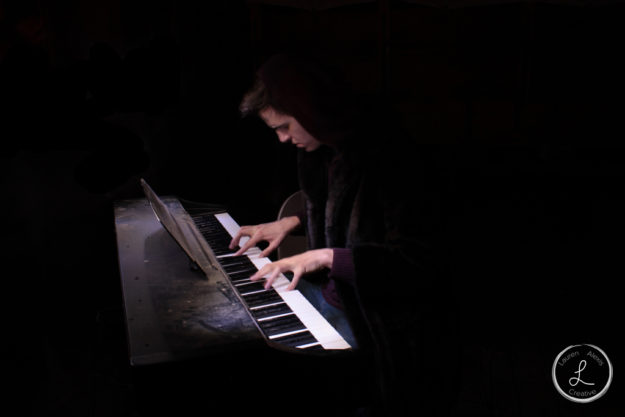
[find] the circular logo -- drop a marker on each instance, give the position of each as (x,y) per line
(582,373)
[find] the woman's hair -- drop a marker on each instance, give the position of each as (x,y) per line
(314,93)
(255,100)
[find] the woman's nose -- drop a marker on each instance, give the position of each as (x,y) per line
(284,137)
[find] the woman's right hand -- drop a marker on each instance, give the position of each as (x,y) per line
(273,233)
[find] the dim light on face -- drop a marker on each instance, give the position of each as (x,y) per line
(289,129)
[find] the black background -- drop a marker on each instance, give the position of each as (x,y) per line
(96,95)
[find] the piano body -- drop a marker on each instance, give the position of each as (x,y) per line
(177,309)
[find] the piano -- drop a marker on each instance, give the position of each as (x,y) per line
(180,306)
(285,318)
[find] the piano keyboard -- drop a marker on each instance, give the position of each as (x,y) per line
(284,317)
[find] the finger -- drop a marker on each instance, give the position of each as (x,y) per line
(261,272)
(272,278)
(251,242)
(235,240)
(296,277)
(272,246)
(243,231)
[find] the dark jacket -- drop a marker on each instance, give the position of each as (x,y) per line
(369,190)
(387,213)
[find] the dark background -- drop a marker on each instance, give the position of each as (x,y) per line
(96,95)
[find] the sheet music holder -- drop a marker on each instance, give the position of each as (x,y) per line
(182,228)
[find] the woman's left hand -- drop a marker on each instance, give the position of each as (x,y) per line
(309,261)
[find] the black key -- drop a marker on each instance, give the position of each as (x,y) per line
(251,286)
(248,269)
(217,241)
(209,224)
(210,228)
(232,266)
(266,297)
(214,233)
(235,277)
(235,260)
(223,251)
(270,311)
(208,221)
(314,347)
(281,325)
(232,269)
(298,339)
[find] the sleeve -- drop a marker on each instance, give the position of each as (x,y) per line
(343,266)
(301,229)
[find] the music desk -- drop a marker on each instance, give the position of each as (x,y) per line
(173,311)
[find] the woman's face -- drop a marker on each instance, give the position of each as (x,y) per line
(288,129)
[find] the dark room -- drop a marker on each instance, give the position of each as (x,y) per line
(312,208)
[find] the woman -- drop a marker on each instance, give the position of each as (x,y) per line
(371,216)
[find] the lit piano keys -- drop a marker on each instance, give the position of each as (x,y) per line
(284,317)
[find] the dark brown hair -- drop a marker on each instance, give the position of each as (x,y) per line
(309,90)
(256,99)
